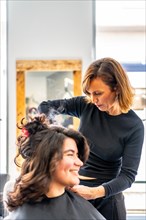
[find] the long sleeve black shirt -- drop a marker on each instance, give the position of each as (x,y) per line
(115,142)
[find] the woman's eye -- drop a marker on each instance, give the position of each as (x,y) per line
(70,155)
(97,93)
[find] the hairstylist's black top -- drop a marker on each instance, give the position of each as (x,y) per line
(115,142)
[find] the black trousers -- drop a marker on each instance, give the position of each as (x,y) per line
(112,208)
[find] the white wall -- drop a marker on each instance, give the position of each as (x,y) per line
(124,46)
(122,35)
(3,86)
(44,30)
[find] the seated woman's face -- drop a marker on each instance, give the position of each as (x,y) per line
(66,173)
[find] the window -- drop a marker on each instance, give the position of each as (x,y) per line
(120,33)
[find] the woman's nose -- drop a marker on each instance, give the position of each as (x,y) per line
(93,98)
(78,162)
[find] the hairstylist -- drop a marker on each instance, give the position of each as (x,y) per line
(114,132)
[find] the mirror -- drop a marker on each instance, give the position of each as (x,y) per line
(39,80)
(48,86)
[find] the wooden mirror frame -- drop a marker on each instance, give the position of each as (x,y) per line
(23,66)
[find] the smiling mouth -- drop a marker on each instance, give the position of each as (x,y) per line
(75,171)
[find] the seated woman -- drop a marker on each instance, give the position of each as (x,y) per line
(52,157)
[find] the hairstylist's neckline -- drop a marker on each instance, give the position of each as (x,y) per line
(114,110)
(114,114)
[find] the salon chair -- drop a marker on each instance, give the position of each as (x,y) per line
(4,177)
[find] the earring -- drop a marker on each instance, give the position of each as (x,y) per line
(117,96)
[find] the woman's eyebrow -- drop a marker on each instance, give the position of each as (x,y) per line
(72,151)
(66,151)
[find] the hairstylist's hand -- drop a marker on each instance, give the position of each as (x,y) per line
(89,192)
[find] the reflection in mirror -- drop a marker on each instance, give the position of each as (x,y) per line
(48,86)
(39,80)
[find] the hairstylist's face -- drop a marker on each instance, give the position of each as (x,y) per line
(101,95)
(66,173)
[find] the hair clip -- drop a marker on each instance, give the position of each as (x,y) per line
(25,132)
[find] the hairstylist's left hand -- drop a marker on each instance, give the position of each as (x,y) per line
(88,192)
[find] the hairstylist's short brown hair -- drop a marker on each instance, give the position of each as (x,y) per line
(114,75)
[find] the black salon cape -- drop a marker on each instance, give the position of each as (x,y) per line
(68,206)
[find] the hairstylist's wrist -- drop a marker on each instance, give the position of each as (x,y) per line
(98,192)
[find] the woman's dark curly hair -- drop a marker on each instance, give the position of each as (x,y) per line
(40,145)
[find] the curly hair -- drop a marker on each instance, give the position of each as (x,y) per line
(40,145)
